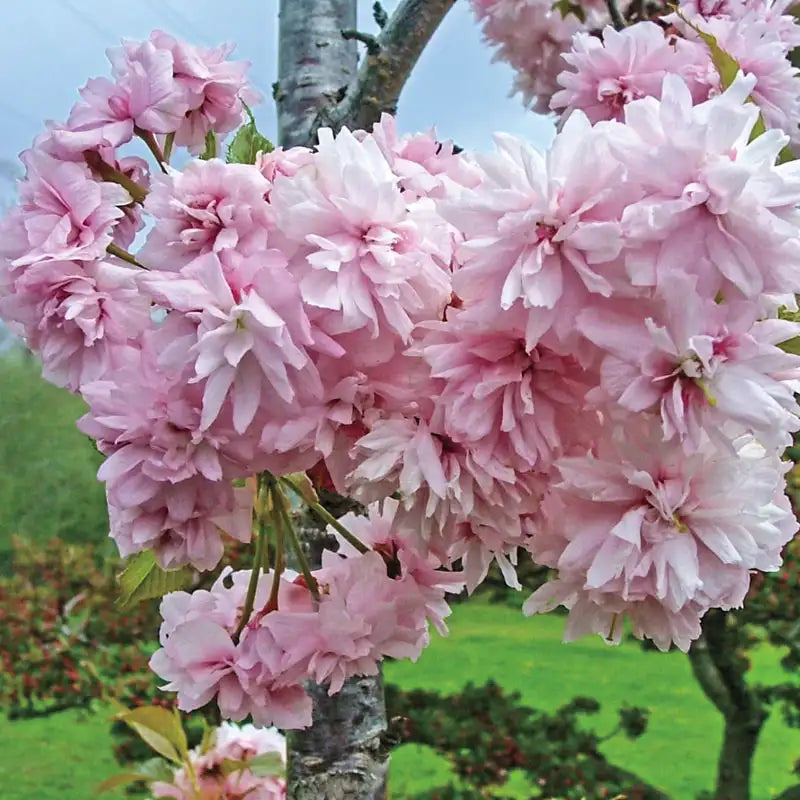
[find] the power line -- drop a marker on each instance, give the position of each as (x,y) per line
(105,35)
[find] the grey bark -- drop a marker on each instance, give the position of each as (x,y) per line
(714,665)
(384,73)
(315,63)
(342,755)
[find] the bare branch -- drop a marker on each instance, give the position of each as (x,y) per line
(384,72)
(707,675)
(616,15)
(373,46)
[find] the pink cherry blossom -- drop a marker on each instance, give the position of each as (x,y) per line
(247,677)
(626,65)
(368,258)
(542,229)
(66,214)
(251,336)
(147,90)
(403,561)
(232,743)
(214,86)
(644,522)
(182,523)
(516,405)
(442,486)
(718,206)
(707,365)
(208,207)
(531,36)
(78,317)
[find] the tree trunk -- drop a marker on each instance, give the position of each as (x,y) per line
(315,63)
(342,755)
(721,674)
(736,757)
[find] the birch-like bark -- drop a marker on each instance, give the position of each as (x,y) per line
(315,63)
(342,756)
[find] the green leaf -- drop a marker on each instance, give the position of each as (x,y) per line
(302,483)
(567,7)
(728,67)
(121,779)
(248,142)
(266,764)
(143,579)
(791,346)
(160,729)
(211,147)
(261,766)
(169,143)
(209,737)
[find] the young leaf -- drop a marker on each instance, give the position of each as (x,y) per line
(211,147)
(121,779)
(302,483)
(728,67)
(791,346)
(160,729)
(261,766)
(266,764)
(248,143)
(142,579)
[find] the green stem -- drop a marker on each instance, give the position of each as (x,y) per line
(324,515)
(258,558)
(117,251)
(279,557)
(108,173)
(152,145)
(305,567)
(168,144)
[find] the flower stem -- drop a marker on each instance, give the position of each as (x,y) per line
(152,145)
(280,545)
(305,568)
(168,144)
(116,250)
(325,516)
(264,482)
(108,173)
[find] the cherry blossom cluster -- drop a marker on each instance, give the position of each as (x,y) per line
(568,55)
(363,608)
(221,768)
(577,355)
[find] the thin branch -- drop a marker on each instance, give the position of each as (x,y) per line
(706,674)
(124,255)
(373,46)
(383,74)
(379,14)
(617,19)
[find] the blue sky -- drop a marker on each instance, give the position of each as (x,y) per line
(50,48)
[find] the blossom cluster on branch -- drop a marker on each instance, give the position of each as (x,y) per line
(229,765)
(580,355)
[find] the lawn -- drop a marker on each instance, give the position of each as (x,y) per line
(63,757)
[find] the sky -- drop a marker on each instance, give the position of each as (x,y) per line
(51,47)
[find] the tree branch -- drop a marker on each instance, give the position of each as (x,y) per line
(706,674)
(385,70)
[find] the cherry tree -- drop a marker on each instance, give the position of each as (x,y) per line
(390,364)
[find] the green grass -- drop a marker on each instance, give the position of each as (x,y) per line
(62,758)
(46,462)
